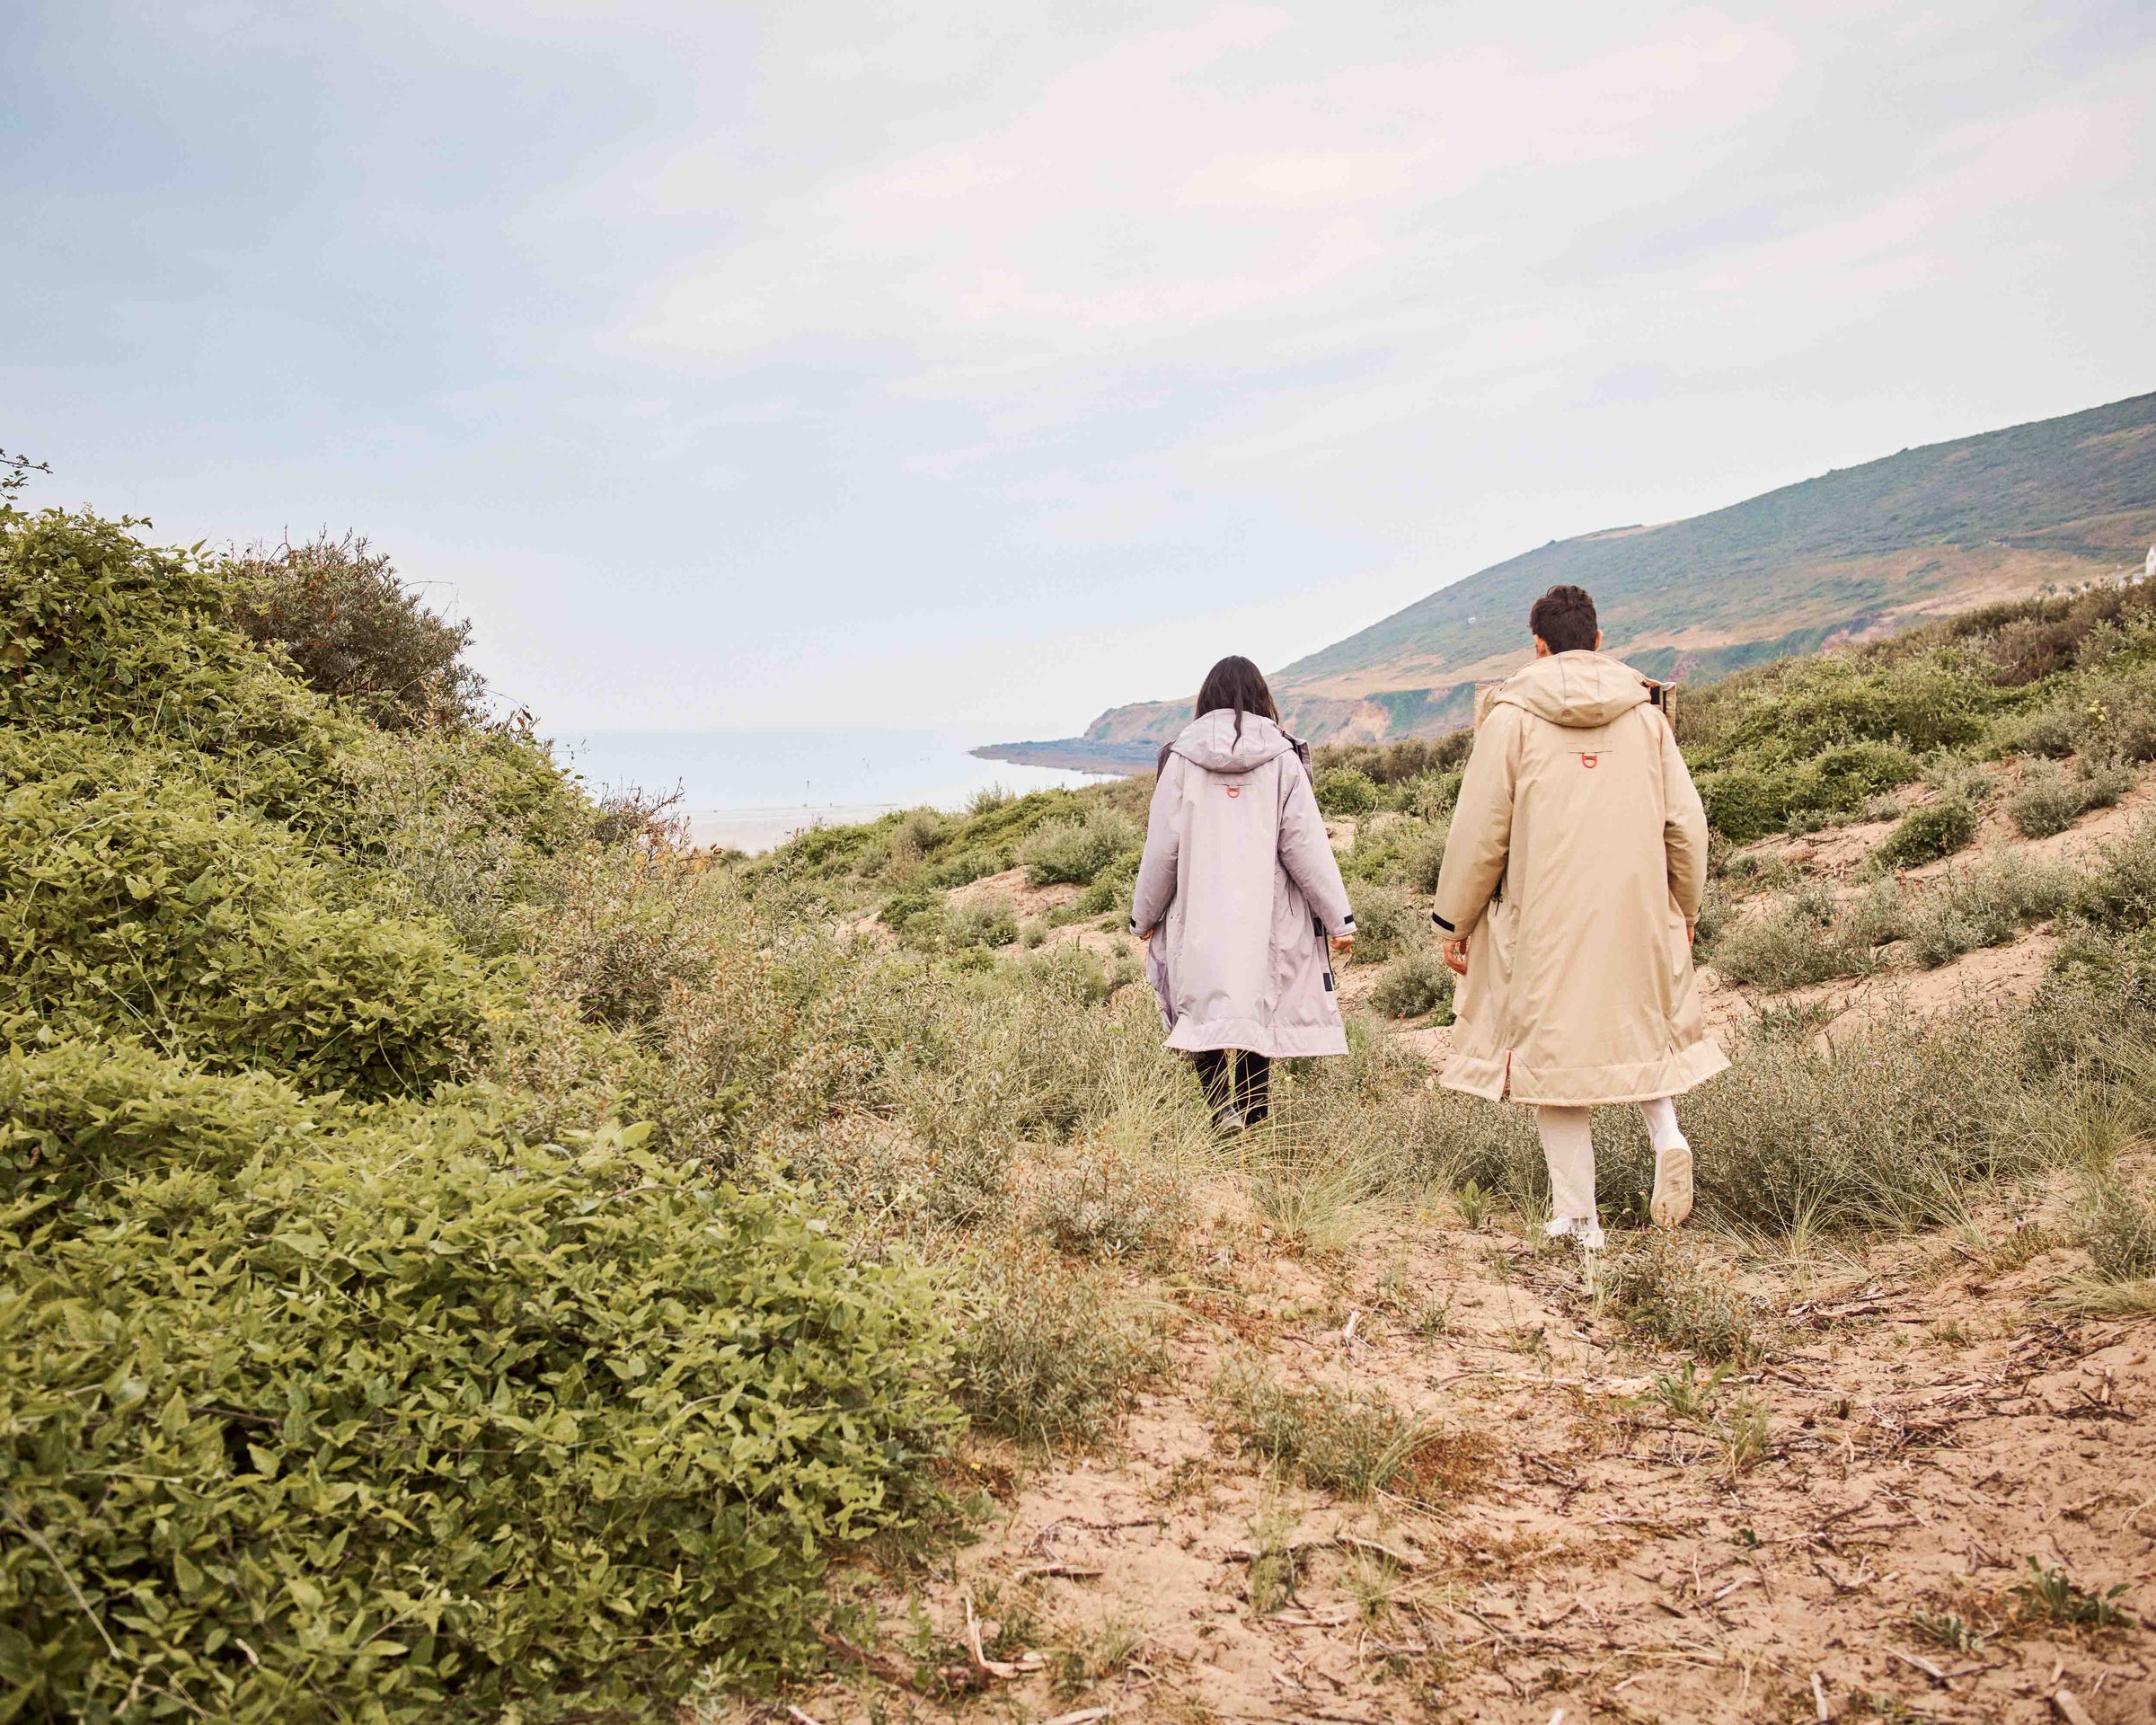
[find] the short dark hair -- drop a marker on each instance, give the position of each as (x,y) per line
(1564,617)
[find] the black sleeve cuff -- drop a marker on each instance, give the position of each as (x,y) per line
(1441,923)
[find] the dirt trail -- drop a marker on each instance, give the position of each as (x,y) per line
(1928,1431)
(1925,1424)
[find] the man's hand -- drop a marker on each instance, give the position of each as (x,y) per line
(1150,933)
(1688,934)
(1344,944)
(1454,954)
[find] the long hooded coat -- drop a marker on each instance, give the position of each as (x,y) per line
(1576,857)
(1239,885)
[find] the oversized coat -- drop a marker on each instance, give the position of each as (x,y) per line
(1576,857)
(1241,889)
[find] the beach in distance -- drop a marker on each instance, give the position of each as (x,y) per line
(751,788)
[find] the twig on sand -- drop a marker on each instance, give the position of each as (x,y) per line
(2069,1708)
(1916,1663)
(1819,1696)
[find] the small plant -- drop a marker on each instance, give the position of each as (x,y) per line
(2051,1595)
(1656,1291)
(1077,851)
(1743,1433)
(2119,1232)
(1338,1441)
(1683,1396)
(1388,924)
(1474,1206)
(1413,985)
(1347,790)
(1948,1629)
(1045,1353)
(1927,834)
(2051,800)
(1109,1206)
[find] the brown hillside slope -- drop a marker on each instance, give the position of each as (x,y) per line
(1857,553)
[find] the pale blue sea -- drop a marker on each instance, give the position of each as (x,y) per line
(753,788)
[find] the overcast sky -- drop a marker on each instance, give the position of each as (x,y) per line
(985,364)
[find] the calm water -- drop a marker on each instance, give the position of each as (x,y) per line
(753,788)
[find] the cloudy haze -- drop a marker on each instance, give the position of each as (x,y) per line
(987,365)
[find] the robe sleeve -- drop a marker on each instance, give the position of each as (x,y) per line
(1480,839)
(1684,826)
(1306,853)
(1154,888)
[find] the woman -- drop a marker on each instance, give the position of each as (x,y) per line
(1236,897)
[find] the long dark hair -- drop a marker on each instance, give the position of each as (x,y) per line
(1235,682)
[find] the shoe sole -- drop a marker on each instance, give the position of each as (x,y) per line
(1672,1202)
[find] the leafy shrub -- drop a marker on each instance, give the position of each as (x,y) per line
(1986,903)
(1806,937)
(1107,1206)
(2119,892)
(429,1421)
(985,923)
(1045,1351)
(1076,850)
(1413,985)
(1655,1290)
(350,627)
(100,632)
(133,903)
(1387,923)
(2050,801)
(1927,834)
(1347,790)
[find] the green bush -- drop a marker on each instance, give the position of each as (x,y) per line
(2051,800)
(134,903)
(1076,851)
(309,1414)
(1045,1351)
(1387,923)
(1347,790)
(338,611)
(1927,834)
(1413,985)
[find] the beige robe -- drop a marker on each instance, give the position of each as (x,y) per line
(1239,884)
(1578,854)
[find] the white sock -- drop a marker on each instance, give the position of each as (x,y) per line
(1569,1147)
(1661,1118)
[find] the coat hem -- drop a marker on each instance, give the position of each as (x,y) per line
(1275,1041)
(1586,1086)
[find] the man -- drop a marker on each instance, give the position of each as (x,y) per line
(1572,883)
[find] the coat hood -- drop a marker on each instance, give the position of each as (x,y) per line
(1579,690)
(1211,742)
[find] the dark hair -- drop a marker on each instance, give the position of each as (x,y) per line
(1564,617)
(1235,682)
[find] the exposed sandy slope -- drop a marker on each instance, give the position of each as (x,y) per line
(1933,1423)
(1929,1430)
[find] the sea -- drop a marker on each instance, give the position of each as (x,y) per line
(753,788)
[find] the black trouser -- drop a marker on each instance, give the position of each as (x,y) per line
(1247,1088)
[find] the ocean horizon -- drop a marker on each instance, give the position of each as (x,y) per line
(753,787)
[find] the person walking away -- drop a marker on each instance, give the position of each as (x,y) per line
(1238,897)
(1566,901)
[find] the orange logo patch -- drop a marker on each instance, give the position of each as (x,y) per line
(1235,790)
(1590,761)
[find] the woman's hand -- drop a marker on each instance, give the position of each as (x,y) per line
(1454,954)
(1150,933)
(1344,944)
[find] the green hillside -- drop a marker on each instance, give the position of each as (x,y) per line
(1858,552)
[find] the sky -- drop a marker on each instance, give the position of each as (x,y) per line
(985,365)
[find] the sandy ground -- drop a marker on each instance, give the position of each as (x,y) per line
(1574,1546)
(1577,1546)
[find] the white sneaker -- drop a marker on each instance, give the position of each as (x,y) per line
(1672,1201)
(1584,1229)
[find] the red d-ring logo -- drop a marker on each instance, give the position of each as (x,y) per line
(1235,790)
(1590,761)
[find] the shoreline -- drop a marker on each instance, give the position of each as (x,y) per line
(1077,754)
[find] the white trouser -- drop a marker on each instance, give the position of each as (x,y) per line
(1569,1149)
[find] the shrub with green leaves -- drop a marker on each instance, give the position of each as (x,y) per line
(1347,790)
(1076,851)
(135,902)
(2051,800)
(308,1413)
(1413,985)
(1927,834)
